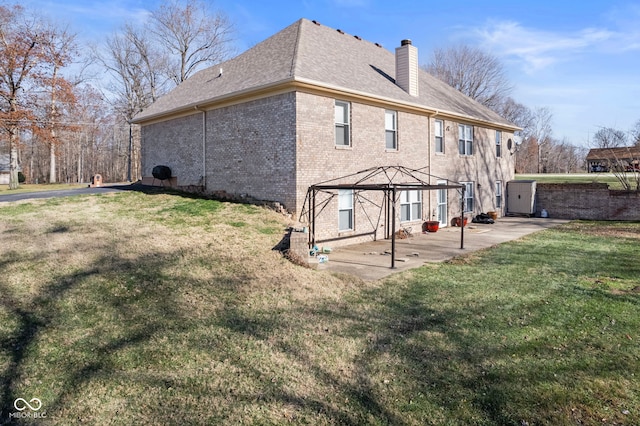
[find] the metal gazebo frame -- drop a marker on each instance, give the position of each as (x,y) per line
(387,179)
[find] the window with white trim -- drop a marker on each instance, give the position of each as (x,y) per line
(498,143)
(410,206)
(390,130)
(345,209)
(468,196)
(465,139)
(342,113)
(498,194)
(439,136)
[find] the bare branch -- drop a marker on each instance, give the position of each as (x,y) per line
(475,73)
(192,34)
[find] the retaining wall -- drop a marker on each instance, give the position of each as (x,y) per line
(590,201)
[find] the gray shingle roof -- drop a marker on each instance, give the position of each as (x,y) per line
(309,52)
(618,153)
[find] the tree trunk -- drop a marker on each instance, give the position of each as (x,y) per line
(13,159)
(13,148)
(52,159)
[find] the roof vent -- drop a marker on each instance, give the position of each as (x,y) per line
(316,22)
(357,38)
(340,31)
(405,42)
(378,44)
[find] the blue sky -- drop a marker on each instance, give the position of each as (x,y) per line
(579,59)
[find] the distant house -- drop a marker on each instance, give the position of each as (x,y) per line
(4,169)
(610,159)
(311,104)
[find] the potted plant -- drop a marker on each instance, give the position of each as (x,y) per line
(456,221)
(430,226)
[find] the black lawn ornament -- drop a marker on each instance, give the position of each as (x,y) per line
(161,172)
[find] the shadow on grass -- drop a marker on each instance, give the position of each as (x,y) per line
(125,303)
(425,352)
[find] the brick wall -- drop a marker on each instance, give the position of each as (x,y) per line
(175,143)
(274,148)
(319,159)
(251,149)
(592,201)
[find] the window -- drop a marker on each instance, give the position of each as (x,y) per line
(498,143)
(410,205)
(390,130)
(345,210)
(442,204)
(465,139)
(342,124)
(498,194)
(439,131)
(468,196)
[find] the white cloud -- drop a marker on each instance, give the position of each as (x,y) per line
(538,49)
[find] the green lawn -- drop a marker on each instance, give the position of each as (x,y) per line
(136,308)
(607,178)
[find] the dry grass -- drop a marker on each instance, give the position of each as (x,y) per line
(158,305)
(164,309)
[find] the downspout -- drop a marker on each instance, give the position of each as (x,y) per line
(430,150)
(204,147)
(204,150)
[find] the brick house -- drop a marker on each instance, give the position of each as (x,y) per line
(625,158)
(310,104)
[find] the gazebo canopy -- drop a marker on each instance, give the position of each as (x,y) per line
(388,179)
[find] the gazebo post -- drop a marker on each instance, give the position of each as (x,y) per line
(313,219)
(462,219)
(393,228)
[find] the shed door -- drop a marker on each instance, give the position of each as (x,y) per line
(521,197)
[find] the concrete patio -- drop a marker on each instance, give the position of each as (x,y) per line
(372,261)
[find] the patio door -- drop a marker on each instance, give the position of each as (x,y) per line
(442,204)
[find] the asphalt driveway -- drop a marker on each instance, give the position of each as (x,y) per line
(65,192)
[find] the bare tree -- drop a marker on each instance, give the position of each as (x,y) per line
(135,79)
(20,61)
(537,140)
(517,113)
(193,35)
(563,157)
(472,71)
(608,137)
(58,51)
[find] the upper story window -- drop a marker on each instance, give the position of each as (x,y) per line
(390,128)
(342,114)
(439,134)
(465,139)
(498,143)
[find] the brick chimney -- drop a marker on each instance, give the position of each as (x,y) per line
(407,67)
